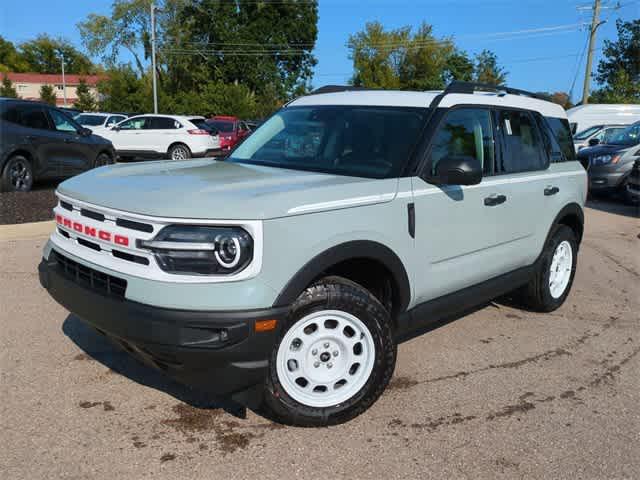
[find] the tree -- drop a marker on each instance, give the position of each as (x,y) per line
(7,89)
(47,94)
(487,69)
(402,59)
(43,55)
(123,91)
(619,70)
(263,45)
(10,60)
(85,101)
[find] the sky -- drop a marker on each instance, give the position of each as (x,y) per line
(545,55)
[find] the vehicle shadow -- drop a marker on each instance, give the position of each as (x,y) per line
(111,356)
(616,207)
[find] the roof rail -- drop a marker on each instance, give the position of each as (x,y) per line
(338,88)
(470,87)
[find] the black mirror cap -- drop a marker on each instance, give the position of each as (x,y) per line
(459,171)
(85,132)
(593,142)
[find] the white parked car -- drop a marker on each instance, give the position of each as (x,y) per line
(583,117)
(98,123)
(164,136)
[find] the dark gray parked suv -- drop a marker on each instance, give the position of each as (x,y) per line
(39,141)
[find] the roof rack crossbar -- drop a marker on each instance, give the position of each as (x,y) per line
(470,87)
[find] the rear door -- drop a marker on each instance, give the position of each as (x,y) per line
(524,176)
(161,132)
(30,128)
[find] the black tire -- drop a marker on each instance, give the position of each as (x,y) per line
(334,293)
(17,175)
(177,150)
(102,159)
(537,294)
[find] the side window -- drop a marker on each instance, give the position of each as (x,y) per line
(134,124)
(27,116)
(62,122)
(562,148)
(524,148)
(465,132)
(243,127)
(113,119)
(162,123)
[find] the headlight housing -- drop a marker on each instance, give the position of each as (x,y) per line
(604,159)
(201,250)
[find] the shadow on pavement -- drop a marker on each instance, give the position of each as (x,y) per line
(614,206)
(102,350)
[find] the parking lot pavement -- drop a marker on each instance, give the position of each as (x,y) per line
(501,393)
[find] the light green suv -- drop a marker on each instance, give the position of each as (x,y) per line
(285,275)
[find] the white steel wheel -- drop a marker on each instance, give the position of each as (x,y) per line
(325,358)
(560,269)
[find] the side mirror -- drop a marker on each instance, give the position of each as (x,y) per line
(459,171)
(115,128)
(593,142)
(85,132)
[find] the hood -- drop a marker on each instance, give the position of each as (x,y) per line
(601,150)
(208,189)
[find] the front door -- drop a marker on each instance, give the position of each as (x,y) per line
(68,149)
(461,231)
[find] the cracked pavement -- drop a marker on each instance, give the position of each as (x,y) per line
(499,393)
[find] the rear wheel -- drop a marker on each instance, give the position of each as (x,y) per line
(552,281)
(179,152)
(17,175)
(335,356)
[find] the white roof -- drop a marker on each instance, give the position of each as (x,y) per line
(397,98)
(175,117)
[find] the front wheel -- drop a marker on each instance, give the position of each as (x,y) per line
(335,356)
(552,280)
(101,160)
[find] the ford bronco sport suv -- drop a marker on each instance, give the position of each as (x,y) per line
(286,275)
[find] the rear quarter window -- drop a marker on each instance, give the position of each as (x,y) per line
(561,141)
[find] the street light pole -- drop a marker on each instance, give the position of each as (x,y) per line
(64,83)
(153,57)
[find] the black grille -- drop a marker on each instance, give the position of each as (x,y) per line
(91,214)
(142,227)
(88,277)
(66,205)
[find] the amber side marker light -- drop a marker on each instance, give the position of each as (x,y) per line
(265,325)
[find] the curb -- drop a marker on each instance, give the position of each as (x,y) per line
(26,230)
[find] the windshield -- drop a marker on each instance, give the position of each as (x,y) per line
(629,136)
(90,120)
(583,135)
(221,126)
(372,142)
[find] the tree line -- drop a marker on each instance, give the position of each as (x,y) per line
(248,58)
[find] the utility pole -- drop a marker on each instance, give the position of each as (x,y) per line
(153,57)
(595,23)
(64,83)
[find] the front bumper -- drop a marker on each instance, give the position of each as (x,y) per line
(215,351)
(601,179)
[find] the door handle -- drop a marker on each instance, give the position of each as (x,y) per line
(551,191)
(67,140)
(31,138)
(493,200)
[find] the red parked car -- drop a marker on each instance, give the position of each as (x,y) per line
(231,130)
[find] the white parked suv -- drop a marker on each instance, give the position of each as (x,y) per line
(99,123)
(164,136)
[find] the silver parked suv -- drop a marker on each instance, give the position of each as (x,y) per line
(286,275)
